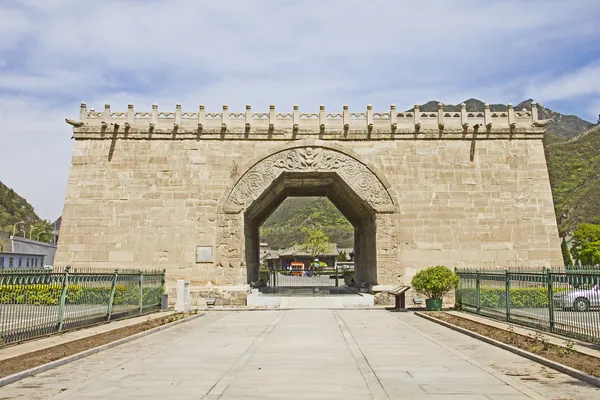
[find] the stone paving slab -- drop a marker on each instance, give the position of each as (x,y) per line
(46,342)
(547,382)
(302,354)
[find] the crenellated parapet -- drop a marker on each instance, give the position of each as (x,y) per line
(273,124)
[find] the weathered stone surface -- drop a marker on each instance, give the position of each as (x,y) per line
(461,203)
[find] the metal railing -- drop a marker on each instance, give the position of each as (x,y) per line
(559,300)
(321,277)
(35,303)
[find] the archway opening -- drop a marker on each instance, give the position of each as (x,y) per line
(314,184)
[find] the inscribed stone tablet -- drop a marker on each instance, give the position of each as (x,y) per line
(204,254)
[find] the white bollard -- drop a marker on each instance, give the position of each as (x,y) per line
(183,296)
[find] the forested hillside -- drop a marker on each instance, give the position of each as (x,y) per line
(574,168)
(284,227)
(14,208)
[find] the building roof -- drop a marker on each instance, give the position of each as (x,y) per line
(296,251)
(10,254)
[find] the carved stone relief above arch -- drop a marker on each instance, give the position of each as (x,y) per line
(310,159)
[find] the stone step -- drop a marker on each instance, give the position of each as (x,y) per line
(311,302)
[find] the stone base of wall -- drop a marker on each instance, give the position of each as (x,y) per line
(225,295)
(384,298)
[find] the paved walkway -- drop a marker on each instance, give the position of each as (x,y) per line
(303,354)
(45,342)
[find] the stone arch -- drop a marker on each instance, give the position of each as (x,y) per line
(311,156)
(308,167)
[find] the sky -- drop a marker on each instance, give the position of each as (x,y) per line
(54,54)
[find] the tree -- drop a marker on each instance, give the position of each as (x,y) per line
(564,247)
(315,243)
(586,244)
(342,256)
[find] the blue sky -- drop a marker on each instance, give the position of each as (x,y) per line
(56,53)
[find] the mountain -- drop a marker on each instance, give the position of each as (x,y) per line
(14,208)
(284,227)
(574,169)
(566,126)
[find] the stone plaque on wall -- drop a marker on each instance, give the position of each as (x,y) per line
(204,254)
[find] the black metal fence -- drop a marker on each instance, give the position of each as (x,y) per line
(40,302)
(564,301)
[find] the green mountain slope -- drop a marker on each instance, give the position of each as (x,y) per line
(284,227)
(574,169)
(14,208)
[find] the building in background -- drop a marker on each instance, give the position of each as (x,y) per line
(10,260)
(284,258)
(20,252)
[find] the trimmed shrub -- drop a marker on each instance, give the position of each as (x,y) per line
(526,297)
(49,294)
(435,282)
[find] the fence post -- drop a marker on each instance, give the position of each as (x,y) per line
(141,299)
(507,296)
(63,298)
(337,282)
(111,299)
(163,280)
(550,299)
(477,292)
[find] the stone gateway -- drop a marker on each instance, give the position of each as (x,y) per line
(188,191)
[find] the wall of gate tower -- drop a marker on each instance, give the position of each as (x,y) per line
(460,201)
(156,201)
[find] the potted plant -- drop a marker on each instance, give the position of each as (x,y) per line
(435,282)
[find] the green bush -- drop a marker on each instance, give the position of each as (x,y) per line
(435,282)
(348,275)
(263,275)
(40,294)
(45,294)
(526,297)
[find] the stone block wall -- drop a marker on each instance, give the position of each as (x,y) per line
(460,203)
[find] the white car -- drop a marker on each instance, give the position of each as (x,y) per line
(578,299)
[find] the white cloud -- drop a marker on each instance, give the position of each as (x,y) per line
(14,25)
(594,109)
(56,53)
(583,81)
(36,152)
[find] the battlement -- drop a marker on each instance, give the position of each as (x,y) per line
(366,124)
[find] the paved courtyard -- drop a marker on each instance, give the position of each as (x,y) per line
(303,354)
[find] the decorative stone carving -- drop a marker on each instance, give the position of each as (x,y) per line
(310,159)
